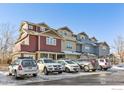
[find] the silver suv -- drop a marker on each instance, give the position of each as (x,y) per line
(87,65)
(22,67)
(47,65)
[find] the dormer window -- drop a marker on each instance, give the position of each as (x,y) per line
(104,47)
(30,27)
(63,33)
(42,28)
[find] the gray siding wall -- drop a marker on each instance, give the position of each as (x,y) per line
(103,52)
(83,44)
(88,48)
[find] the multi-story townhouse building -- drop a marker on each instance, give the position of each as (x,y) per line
(91,46)
(69,43)
(37,41)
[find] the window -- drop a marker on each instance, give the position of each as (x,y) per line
(30,27)
(50,41)
(104,47)
(63,33)
(69,45)
(42,28)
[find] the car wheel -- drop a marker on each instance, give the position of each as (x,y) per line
(86,68)
(67,70)
(101,68)
(15,75)
(34,75)
(10,74)
(45,71)
(94,70)
(60,72)
(105,69)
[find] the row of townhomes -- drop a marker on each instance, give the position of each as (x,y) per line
(40,40)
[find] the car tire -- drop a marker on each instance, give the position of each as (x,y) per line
(15,74)
(94,70)
(34,75)
(105,69)
(67,70)
(45,71)
(86,68)
(10,74)
(101,68)
(60,72)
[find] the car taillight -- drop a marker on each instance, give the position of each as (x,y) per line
(20,67)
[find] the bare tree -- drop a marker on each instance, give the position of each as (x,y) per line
(7,39)
(119,46)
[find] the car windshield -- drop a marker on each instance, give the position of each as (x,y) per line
(48,61)
(29,63)
(69,62)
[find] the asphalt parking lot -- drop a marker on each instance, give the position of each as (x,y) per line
(41,79)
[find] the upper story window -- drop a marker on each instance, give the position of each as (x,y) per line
(104,47)
(69,45)
(42,28)
(63,33)
(50,41)
(30,27)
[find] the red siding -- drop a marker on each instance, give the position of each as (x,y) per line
(50,48)
(33,44)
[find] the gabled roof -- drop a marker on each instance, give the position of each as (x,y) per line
(93,38)
(20,39)
(83,33)
(65,28)
(103,43)
(53,31)
(43,24)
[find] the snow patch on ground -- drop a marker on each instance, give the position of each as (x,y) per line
(9,80)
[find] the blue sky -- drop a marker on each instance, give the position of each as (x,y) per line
(104,21)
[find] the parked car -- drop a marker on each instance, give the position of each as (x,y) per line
(22,67)
(119,67)
(69,65)
(47,65)
(87,65)
(104,64)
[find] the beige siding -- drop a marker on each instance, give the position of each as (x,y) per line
(69,37)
